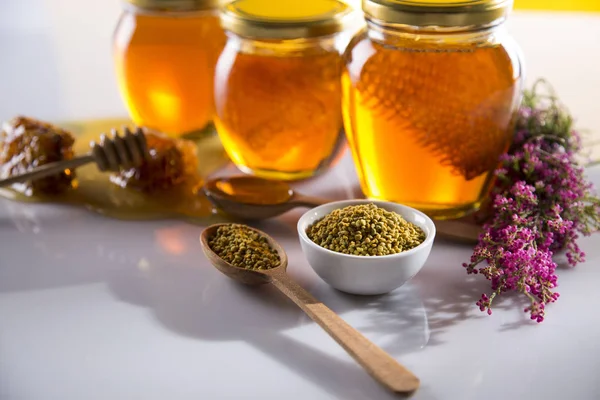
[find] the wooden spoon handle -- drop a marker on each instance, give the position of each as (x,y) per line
(47,170)
(373,359)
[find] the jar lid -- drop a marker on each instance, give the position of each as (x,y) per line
(176,5)
(268,19)
(437,13)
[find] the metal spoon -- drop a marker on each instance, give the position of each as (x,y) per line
(252,198)
(380,365)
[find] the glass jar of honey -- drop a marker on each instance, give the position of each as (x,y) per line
(278,86)
(165,55)
(431,89)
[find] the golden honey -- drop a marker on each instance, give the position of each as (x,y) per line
(428,114)
(278,87)
(94,190)
(165,63)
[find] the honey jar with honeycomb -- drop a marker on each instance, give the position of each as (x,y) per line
(165,54)
(278,86)
(430,92)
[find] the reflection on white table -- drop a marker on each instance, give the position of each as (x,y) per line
(92,308)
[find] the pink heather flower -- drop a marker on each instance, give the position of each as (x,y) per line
(541,203)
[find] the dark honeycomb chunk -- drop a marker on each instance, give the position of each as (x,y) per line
(26,143)
(170,163)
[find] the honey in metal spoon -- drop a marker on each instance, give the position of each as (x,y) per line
(251,190)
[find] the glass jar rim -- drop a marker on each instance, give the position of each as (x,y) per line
(436,13)
(176,5)
(239,18)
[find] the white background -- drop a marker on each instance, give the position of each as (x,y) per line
(92,308)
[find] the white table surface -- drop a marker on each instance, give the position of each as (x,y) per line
(92,308)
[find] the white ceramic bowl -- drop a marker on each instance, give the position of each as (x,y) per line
(362,274)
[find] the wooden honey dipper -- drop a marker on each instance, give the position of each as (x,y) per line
(110,154)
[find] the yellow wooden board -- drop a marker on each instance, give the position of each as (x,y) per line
(559,5)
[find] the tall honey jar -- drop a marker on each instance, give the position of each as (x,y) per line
(430,92)
(165,54)
(278,86)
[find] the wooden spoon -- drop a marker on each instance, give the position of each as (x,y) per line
(253,198)
(380,365)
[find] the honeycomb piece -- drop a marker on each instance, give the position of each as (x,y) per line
(288,122)
(26,143)
(458,104)
(171,162)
